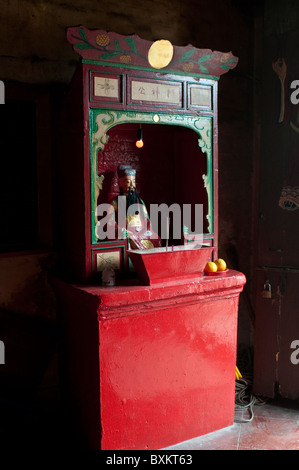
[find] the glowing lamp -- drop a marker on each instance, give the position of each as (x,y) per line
(139,141)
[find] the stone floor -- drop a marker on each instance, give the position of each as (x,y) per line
(275,426)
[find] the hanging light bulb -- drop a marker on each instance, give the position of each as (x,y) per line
(139,141)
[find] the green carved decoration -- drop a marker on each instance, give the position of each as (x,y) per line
(101,120)
(99,46)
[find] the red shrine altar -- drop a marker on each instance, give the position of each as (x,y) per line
(145,364)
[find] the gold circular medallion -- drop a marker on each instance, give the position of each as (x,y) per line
(160,53)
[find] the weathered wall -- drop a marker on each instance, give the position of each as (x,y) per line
(32,36)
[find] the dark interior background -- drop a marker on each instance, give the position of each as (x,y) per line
(36,66)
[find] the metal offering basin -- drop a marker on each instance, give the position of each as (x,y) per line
(156,265)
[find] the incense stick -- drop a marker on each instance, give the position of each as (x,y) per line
(167,232)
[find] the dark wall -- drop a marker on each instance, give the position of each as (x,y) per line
(278,221)
(32,37)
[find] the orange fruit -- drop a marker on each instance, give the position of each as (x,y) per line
(221,264)
(210,267)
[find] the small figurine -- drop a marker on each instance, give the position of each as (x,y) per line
(108,276)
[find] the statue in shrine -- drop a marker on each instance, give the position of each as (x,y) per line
(131,216)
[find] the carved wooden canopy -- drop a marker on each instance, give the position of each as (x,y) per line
(109,47)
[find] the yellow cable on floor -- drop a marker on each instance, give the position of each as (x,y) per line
(238,374)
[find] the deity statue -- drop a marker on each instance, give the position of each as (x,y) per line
(131,214)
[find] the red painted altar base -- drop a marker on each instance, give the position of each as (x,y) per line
(146,367)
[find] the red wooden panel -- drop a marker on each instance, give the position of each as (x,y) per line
(161,374)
